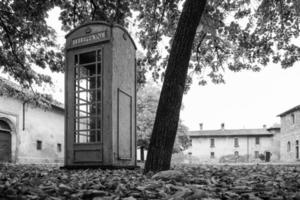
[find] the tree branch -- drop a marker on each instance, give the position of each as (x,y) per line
(13,50)
(117,11)
(161,18)
(94,9)
(198,50)
(74,16)
(5,11)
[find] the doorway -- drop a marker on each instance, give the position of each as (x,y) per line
(5,142)
(88,97)
(88,105)
(268,156)
(297,149)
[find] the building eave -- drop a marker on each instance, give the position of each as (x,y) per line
(289,111)
(230,133)
(235,135)
(28,94)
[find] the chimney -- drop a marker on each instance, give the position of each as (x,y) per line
(264,126)
(222,126)
(201,126)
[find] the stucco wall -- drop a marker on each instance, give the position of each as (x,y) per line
(224,146)
(44,125)
(290,132)
(276,145)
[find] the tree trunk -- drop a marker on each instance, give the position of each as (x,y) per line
(167,115)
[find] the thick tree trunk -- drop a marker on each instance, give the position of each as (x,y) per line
(167,115)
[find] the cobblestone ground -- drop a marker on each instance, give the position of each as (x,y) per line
(253,182)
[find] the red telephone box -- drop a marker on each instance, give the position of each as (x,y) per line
(100,97)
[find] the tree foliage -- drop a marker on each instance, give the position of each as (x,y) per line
(237,35)
(27,42)
(147,101)
(10,89)
(77,12)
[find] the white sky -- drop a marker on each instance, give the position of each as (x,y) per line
(247,100)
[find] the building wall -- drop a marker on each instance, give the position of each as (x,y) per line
(290,132)
(224,146)
(11,111)
(275,148)
(46,126)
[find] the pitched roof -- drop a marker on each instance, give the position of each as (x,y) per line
(289,111)
(230,132)
(274,127)
(15,87)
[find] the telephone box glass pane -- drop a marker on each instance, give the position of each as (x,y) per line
(88,99)
(88,57)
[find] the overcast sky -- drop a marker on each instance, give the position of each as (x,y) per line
(247,100)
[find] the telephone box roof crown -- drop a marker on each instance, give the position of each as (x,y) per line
(101,23)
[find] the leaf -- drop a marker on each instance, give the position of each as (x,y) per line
(169,175)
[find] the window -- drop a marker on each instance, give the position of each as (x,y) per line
(212,154)
(236,142)
(39,145)
(58,147)
(257,140)
(236,153)
(212,142)
(293,118)
(88,99)
(256,154)
(288,146)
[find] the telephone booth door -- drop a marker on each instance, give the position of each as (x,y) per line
(87,134)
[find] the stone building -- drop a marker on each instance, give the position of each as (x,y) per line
(29,133)
(240,145)
(290,134)
(279,143)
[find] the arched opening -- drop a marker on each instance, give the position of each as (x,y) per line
(5,141)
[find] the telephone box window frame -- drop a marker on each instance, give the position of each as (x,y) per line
(78,102)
